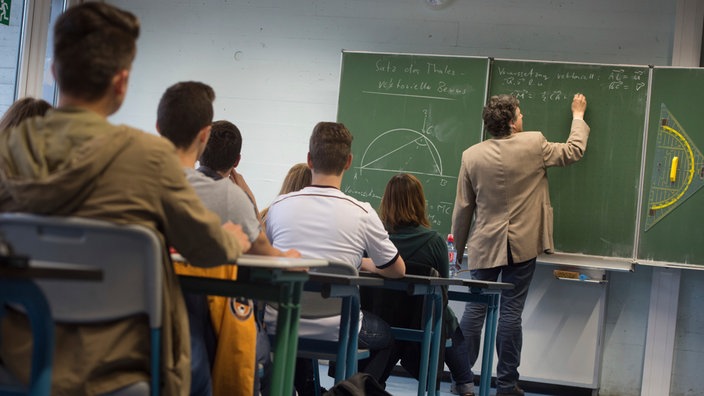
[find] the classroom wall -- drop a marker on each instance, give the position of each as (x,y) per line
(275,67)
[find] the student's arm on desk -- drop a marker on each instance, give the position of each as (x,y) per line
(236,231)
(262,247)
(395,270)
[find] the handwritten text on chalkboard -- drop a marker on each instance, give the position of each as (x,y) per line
(407,79)
(533,84)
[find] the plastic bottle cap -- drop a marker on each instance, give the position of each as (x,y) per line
(450,238)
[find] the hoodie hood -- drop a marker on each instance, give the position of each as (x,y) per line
(50,164)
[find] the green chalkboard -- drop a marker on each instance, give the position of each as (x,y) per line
(671,220)
(414,114)
(594,200)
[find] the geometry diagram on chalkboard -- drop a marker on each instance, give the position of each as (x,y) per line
(402,150)
(678,169)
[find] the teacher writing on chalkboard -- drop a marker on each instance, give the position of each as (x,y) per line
(503,185)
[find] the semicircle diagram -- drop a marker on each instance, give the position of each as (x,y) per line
(402,150)
(678,169)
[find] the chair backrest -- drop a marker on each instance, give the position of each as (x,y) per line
(129,255)
(313,305)
(384,303)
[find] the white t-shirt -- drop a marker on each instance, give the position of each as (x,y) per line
(323,222)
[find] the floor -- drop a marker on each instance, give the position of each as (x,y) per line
(402,386)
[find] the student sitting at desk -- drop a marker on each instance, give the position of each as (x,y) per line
(323,222)
(73,162)
(184,116)
(403,211)
(222,154)
(218,161)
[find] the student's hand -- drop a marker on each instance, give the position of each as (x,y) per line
(292,253)
(236,231)
(579,106)
(236,178)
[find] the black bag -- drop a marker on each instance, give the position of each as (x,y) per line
(360,384)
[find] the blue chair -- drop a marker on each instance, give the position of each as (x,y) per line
(130,257)
(316,304)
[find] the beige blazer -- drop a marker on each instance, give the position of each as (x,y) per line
(503,185)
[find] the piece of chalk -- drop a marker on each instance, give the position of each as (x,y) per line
(673,169)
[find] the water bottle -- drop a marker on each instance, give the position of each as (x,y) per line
(452,255)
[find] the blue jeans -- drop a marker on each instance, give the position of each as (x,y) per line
(202,343)
(457,362)
(375,335)
(509,334)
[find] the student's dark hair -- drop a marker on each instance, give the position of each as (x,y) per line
(92,43)
(403,203)
(21,110)
(223,148)
(499,113)
(330,145)
(184,109)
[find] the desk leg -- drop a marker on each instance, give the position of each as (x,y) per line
(343,350)
(489,343)
(286,339)
(425,346)
(352,358)
(436,342)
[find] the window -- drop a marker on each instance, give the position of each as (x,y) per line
(10,39)
(25,51)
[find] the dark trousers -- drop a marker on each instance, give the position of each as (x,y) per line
(203,343)
(375,335)
(509,334)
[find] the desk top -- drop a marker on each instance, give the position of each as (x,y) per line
(435,281)
(252,260)
(39,269)
(487,284)
(352,280)
(415,279)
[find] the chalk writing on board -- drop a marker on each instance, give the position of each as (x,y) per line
(438,211)
(535,85)
(679,166)
(417,80)
(368,193)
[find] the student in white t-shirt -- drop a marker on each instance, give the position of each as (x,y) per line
(321,221)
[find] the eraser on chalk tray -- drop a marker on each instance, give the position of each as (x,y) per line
(566,274)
